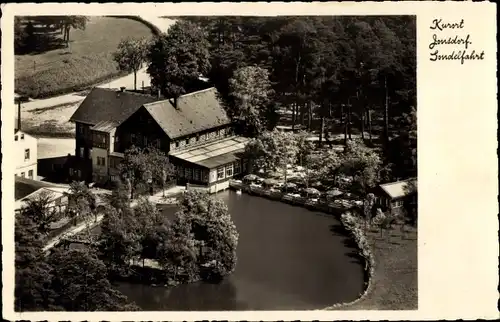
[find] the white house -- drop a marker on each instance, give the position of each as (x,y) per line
(25,155)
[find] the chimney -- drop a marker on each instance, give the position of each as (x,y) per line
(19,115)
(175,101)
(122,89)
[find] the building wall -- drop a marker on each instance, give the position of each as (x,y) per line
(26,155)
(82,169)
(140,130)
(100,164)
(199,138)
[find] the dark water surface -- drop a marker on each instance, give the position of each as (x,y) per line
(289,258)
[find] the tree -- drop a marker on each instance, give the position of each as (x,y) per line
(213,230)
(152,228)
(81,283)
(177,59)
(82,201)
(272,150)
(130,55)
(304,146)
(41,211)
(32,274)
(119,241)
(326,165)
(120,196)
(252,93)
(144,167)
(178,254)
(20,35)
(363,164)
(75,22)
(368,207)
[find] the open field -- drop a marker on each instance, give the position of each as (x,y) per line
(86,62)
(394,284)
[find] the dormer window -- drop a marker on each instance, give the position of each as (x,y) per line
(22,136)
(15,137)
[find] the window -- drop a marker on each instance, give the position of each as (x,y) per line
(145,141)
(22,174)
(80,128)
(177,144)
(101,161)
(220,173)
(117,138)
(197,174)
(26,154)
(197,138)
(22,136)
(157,143)
(71,171)
(237,167)
(187,173)
(81,154)
(15,138)
(204,175)
(90,153)
(187,141)
(132,138)
(79,173)
(229,170)
(30,174)
(222,131)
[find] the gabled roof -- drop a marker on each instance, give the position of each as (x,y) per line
(103,104)
(195,112)
(398,189)
(25,186)
(104,126)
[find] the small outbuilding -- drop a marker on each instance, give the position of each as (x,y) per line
(392,196)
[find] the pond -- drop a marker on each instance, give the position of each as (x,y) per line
(289,258)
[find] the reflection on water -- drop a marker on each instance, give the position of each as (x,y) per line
(289,258)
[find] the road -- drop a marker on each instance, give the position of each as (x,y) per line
(81,226)
(126,81)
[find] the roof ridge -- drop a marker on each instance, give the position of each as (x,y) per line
(200,91)
(114,90)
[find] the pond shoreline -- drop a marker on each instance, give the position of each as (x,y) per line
(353,231)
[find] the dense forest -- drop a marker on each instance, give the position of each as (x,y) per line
(335,75)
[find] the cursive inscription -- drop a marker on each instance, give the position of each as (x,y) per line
(440,25)
(459,43)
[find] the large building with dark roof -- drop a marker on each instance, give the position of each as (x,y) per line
(194,130)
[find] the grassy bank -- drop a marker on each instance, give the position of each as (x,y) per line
(86,62)
(393,283)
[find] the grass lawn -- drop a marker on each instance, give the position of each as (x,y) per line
(394,285)
(86,62)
